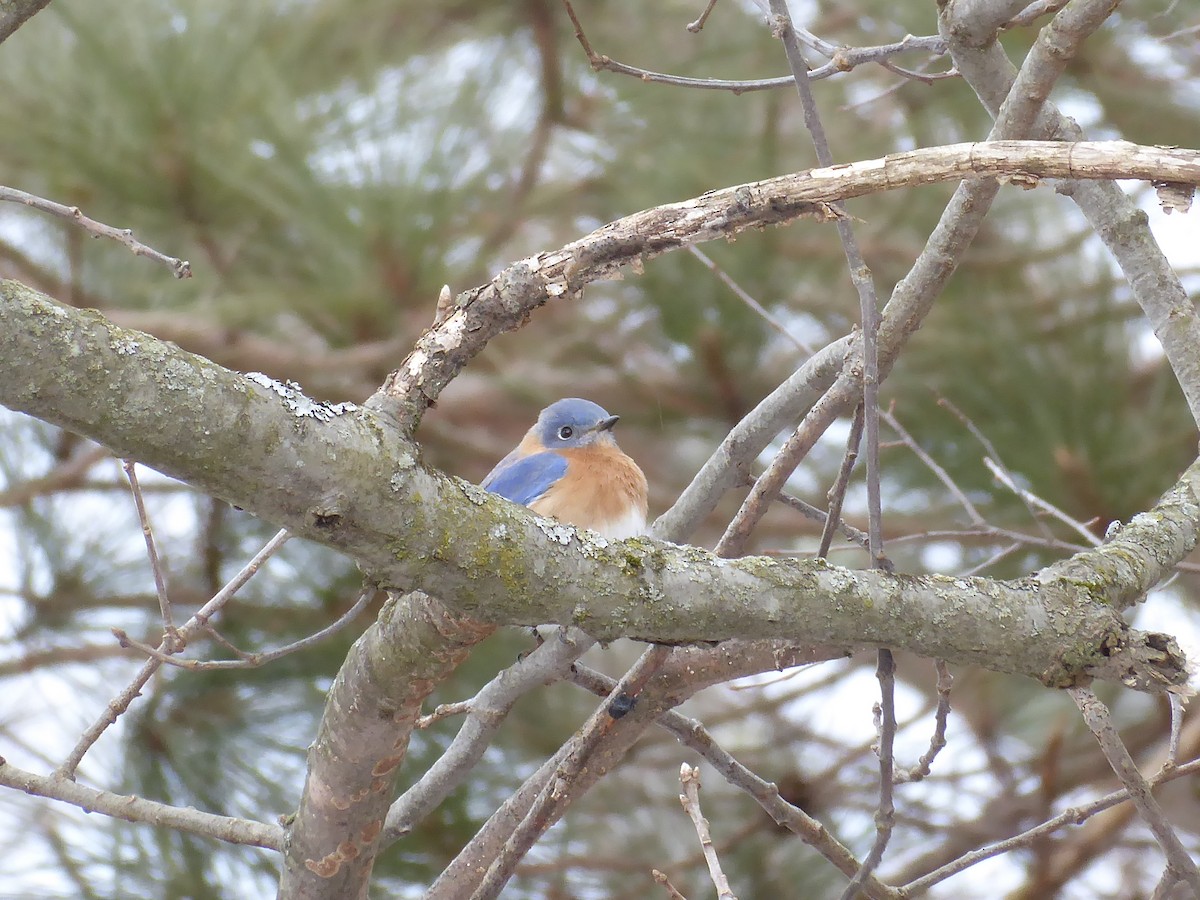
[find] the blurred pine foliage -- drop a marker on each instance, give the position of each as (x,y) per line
(327,165)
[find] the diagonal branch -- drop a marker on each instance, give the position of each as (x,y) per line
(1179,864)
(180,267)
(15,13)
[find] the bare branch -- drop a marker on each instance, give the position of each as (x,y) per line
(1112,214)
(686,671)
(334,839)
(885,812)
(860,276)
(1177,702)
(1003,476)
(932,465)
(505,303)
(837,493)
(407,525)
(730,463)
(170,636)
(486,712)
(843,59)
(247,660)
(937,743)
(138,809)
(1073,816)
(689,778)
(120,703)
(694,27)
(1095,713)
(744,296)
(1033,12)
(576,754)
(181,267)
(692,734)
(665,883)
(995,457)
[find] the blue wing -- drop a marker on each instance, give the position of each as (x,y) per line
(525,478)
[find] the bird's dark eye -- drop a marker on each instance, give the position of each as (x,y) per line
(565,432)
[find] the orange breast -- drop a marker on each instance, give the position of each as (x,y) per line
(603,490)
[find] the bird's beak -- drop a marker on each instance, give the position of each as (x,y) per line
(607,424)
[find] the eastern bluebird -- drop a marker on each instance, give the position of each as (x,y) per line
(568,466)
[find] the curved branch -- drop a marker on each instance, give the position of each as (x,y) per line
(504,303)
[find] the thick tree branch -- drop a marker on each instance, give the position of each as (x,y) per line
(362,740)
(342,479)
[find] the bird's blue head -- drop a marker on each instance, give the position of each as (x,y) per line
(574,423)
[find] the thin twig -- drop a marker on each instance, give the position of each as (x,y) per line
(837,493)
(249,660)
(945,682)
(885,813)
(869,313)
(821,516)
(837,55)
(1073,816)
(689,778)
(745,297)
(186,632)
(1005,477)
(138,809)
(895,87)
(1033,12)
(1176,702)
(930,463)
(860,276)
(444,711)
(1096,714)
(768,485)
(694,27)
(1002,553)
(170,635)
(181,267)
(844,59)
(664,882)
(994,454)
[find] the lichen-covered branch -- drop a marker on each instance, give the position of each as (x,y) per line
(341,477)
